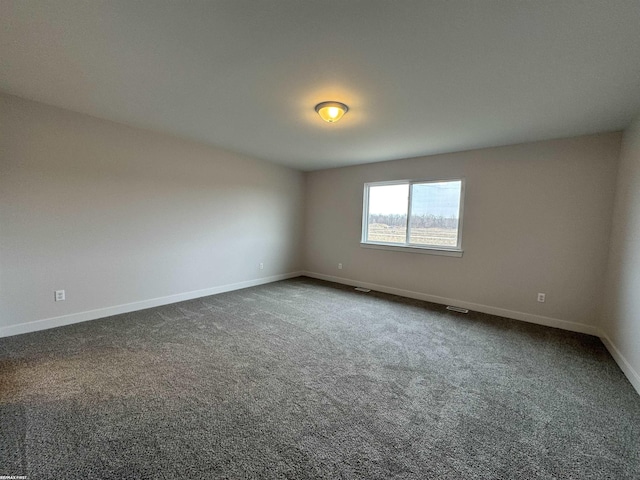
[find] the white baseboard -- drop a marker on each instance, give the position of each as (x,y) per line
(625,366)
(53,322)
(501,312)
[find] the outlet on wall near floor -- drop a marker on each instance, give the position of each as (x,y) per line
(339,266)
(542,297)
(261,266)
(59,295)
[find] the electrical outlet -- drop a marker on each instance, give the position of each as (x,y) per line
(261,266)
(542,297)
(339,266)
(59,296)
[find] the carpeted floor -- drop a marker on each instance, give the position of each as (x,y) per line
(308,379)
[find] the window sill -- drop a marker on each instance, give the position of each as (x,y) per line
(448,252)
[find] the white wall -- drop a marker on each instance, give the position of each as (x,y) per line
(621,315)
(536,219)
(115,215)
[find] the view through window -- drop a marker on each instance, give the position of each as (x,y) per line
(415,214)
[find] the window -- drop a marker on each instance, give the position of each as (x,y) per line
(414,214)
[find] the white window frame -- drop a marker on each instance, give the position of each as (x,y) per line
(408,246)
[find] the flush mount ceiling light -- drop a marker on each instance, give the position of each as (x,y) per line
(331,111)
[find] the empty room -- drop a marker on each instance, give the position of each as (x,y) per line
(337,239)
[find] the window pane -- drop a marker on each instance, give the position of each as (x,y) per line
(387,220)
(435,208)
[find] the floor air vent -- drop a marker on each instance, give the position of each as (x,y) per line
(457,309)
(360,289)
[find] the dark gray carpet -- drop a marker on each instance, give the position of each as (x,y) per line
(308,379)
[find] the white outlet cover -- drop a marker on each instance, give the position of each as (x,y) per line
(59,295)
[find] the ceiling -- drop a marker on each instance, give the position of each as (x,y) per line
(420,77)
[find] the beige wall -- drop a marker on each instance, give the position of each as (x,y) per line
(621,315)
(536,219)
(116,215)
